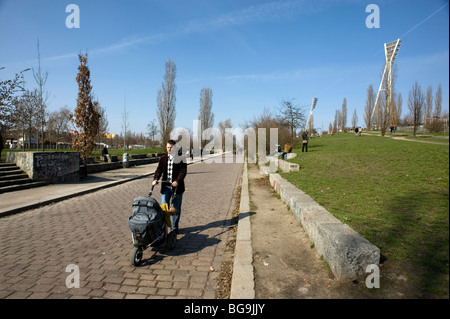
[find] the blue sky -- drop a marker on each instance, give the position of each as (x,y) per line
(252,54)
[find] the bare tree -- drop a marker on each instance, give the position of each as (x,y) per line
(428,110)
(354,119)
(223,125)
(435,123)
(438,102)
(166,100)
(267,120)
(41,80)
(86,119)
(293,115)
(398,104)
(394,120)
(8,98)
(103,124)
(337,120)
(24,116)
(415,105)
(58,125)
(206,116)
(343,122)
(368,109)
(152,130)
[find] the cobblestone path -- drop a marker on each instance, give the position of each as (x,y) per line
(92,232)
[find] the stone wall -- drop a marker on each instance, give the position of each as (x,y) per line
(276,163)
(54,167)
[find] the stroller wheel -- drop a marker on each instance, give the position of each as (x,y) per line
(136,256)
(171,240)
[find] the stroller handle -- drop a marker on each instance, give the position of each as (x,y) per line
(153,186)
(151,191)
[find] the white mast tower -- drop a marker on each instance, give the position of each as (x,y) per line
(390,51)
(309,123)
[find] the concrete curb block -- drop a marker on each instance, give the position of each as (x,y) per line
(346,252)
(242,282)
(275,163)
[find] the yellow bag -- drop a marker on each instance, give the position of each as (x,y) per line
(165,208)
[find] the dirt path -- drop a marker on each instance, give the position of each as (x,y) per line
(418,141)
(285,264)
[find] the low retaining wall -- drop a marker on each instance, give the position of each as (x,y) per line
(156,154)
(275,163)
(61,167)
(54,167)
(100,167)
(138,156)
(142,161)
(346,252)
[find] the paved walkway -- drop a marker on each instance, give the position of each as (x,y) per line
(91,232)
(17,201)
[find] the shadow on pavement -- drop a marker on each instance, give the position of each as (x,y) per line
(191,240)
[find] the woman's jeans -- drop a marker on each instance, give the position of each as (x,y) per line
(166,194)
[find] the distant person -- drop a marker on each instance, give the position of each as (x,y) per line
(105,153)
(287,149)
(305,139)
(172,168)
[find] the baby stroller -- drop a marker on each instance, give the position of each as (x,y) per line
(150,226)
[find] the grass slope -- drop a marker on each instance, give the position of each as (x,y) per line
(394,193)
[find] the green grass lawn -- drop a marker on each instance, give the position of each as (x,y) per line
(394,193)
